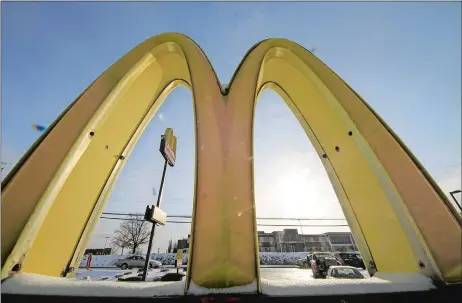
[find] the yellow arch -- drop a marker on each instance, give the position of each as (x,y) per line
(58,190)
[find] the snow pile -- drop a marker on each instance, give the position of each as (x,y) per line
(380,283)
(100,274)
(45,285)
(281,258)
(197,290)
(168,259)
(266,258)
(102,261)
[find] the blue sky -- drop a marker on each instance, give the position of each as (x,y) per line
(403,58)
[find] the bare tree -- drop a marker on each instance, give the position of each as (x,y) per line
(175,247)
(119,241)
(134,232)
(169,248)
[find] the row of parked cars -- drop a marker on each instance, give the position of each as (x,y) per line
(334,265)
(344,258)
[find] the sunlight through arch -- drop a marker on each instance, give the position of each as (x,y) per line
(290,180)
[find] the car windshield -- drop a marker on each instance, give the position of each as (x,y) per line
(346,273)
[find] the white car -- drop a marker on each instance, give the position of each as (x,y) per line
(136,262)
(343,272)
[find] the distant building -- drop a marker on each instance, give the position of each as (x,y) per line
(341,241)
(98,251)
(289,240)
(183,243)
(266,242)
(316,242)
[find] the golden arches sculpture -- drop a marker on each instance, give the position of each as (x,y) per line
(53,198)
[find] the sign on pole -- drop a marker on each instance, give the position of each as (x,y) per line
(168,146)
(155,215)
(179,258)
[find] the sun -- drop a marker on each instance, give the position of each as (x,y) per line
(289,188)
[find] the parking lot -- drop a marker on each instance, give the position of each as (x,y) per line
(268,273)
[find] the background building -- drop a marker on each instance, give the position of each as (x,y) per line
(183,243)
(341,241)
(98,251)
(289,240)
(316,242)
(266,242)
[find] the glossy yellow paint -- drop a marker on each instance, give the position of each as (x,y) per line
(387,198)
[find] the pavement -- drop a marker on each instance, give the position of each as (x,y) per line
(277,274)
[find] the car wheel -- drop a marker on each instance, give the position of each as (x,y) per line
(124,266)
(150,265)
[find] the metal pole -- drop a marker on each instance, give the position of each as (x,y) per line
(105,243)
(301,228)
(455,200)
(301,235)
(148,253)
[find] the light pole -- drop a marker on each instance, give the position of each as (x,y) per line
(105,242)
(452,193)
(4,164)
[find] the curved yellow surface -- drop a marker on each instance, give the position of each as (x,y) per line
(57,193)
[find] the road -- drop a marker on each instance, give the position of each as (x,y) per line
(278,274)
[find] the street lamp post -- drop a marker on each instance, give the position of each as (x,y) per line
(105,242)
(452,193)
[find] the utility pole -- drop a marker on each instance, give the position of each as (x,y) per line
(105,243)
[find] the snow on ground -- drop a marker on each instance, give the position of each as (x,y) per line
(199,290)
(380,283)
(269,273)
(100,274)
(46,285)
(113,275)
(281,258)
(169,259)
(275,282)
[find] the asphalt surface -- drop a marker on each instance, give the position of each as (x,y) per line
(278,274)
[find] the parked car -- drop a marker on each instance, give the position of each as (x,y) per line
(321,262)
(136,262)
(352,259)
(343,272)
(305,262)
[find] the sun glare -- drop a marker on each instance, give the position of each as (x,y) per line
(289,187)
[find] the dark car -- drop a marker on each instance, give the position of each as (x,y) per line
(352,259)
(305,262)
(320,263)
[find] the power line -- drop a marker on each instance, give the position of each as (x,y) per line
(169,201)
(304,225)
(142,215)
(304,219)
(275,225)
(125,219)
(189,217)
